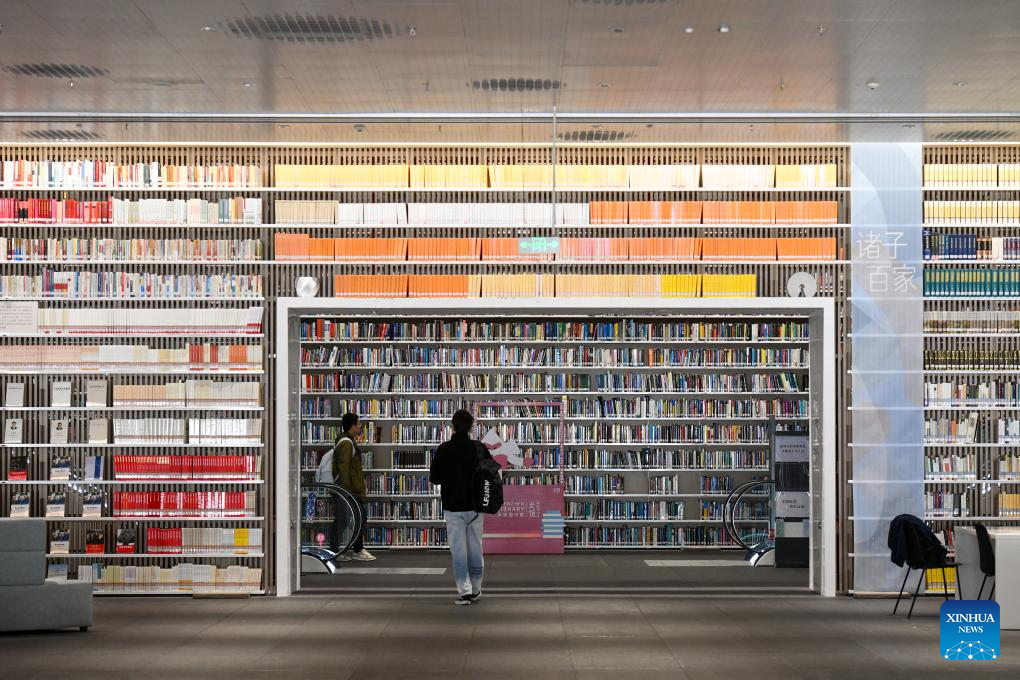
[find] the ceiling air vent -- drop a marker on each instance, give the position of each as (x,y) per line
(973,136)
(62,135)
(56,70)
(308,28)
(595,136)
(515,85)
(626,3)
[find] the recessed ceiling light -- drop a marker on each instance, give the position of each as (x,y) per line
(603,85)
(283,126)
(872,84)
(209,29)
(249,84)
(909,126)
(70,83)
(960,83)
(724,28)
(596,126)
(688,29)
(616,29)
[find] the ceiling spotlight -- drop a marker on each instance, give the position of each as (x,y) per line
(412,31)
(821,29)
(603,85)
(249,84)
(960,83)
(616,29)
(872,84)
(688,29)
(909,126)
(724,28)
(70,83)
(596,126)
(209,29)
(782,86)
(283,126)
(359,127)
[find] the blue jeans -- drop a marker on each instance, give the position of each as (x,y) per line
(465,538)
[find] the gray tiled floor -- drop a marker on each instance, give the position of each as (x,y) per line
(598,571)
(421,636)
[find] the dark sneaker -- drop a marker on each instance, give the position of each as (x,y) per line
(475,596)
(464,599)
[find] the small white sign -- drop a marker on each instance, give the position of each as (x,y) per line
(19,318)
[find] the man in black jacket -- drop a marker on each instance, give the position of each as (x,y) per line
(453,469)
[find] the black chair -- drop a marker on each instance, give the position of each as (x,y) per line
(922,550)
(986,554)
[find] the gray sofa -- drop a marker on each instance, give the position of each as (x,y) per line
(27,600)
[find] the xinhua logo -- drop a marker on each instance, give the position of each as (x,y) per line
(969,630)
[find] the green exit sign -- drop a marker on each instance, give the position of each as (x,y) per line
(538,245)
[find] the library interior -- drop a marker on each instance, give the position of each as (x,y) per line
(509,338)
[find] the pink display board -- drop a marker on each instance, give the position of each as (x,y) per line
(530,522)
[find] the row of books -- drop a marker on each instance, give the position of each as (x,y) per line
(184,577)
(971,175)
(122,285)
(1001,391)
(950,467)
(196,393)
(154,431)
(971,212)
(656,537)
(405,510)
(791,212)
(964,467)
(142,321)
(172,467)
(995,321)
(193,356)
(193,430)
(947,503)
(184,504)
(625,510)
(546,285)
(721,383)
(526,382)
(60,464)
(972,359)
(302,247)
(984,282)
(713,212)
(168,211)
(197,540)
(87,174)
(937,246)
(18,249)
(543,176)
(621,330)
(1008,466)
(518,356)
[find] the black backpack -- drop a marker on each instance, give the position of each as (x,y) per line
(486,483)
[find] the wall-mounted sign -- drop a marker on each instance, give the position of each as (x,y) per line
(538,245)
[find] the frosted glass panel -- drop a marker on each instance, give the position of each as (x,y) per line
(887,307)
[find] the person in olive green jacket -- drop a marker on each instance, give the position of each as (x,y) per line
(349,473)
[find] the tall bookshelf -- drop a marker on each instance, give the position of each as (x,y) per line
(645,411)
(586,176)
(971,331)
(663,415)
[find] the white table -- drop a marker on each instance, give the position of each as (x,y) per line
(1006,543)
